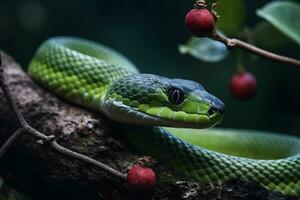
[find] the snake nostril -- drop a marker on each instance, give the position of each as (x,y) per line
(211,111)
(214,110)
(218,106)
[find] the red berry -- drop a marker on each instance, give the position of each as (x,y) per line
(200,22)
(141,180)
(243,85)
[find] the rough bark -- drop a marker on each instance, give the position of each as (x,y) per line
(42,173)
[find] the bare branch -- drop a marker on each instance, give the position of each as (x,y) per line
(232,43)
(86,159)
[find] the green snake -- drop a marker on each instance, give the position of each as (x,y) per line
(96,77)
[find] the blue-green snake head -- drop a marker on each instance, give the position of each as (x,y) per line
(147,99)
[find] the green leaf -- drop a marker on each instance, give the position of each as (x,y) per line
(285,16)
(232,16)
(204,49)
(265,35)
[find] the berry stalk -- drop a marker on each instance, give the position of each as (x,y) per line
(235,43)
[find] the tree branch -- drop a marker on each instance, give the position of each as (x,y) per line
(10,100)
(48,139)
(233,43)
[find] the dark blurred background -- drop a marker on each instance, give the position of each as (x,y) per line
(149,32)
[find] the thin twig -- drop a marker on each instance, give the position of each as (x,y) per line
(37,134)
(73,154)
(86,159)
(232,43)
(11,140)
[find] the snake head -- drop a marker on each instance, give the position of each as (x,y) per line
(146,99)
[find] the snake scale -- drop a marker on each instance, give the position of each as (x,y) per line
(96,77)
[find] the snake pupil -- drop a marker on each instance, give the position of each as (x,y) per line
(176,96)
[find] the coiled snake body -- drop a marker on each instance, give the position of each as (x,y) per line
(97,77)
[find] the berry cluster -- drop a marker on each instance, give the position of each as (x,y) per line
(200,22)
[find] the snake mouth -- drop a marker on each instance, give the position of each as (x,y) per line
(204,121)
(120,112)
(207,119)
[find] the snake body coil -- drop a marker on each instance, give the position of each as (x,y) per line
(97,77)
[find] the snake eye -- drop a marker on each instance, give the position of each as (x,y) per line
(176,96)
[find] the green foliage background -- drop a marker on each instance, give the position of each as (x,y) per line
(148,32)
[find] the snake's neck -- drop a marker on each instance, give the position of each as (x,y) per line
(79,71)
(121,101)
